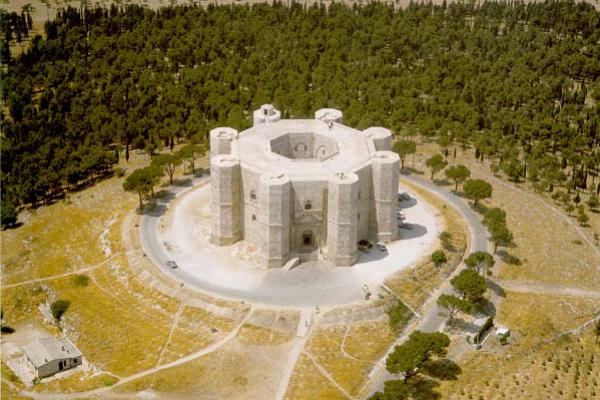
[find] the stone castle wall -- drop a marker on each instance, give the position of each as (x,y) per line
(306,217)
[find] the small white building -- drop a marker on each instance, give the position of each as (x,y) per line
(50,356)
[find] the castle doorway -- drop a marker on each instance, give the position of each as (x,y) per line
(308,239)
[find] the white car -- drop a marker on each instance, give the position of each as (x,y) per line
(381,247)
(172,264)
(401,215)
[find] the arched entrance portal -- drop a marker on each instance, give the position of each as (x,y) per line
(308,239)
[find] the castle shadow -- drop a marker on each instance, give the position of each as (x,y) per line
(403,205)
(415,232)
(373,255)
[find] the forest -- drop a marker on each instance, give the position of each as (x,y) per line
(518,83)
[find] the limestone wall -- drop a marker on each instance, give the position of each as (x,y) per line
(266,113)
(329,115)
(342,227)
(296,215)
(364,201)
(221,140)
(274,219)
(309,203)
(225,199)
(381,137)
(385,167)
(249,192)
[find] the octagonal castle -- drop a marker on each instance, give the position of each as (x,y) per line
(303,188)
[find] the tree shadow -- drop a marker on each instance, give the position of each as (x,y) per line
(12,226)
(182,182)
(497,289)
(443,369)
(422,388)
(480,208)
(200,172)
(442,182)
(165,196)
(411,171)
(487,308)
(508,258)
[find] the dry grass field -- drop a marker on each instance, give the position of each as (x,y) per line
(537,363)
(122,324)
(566,368)
(128,319)
(338,356)
(236,370)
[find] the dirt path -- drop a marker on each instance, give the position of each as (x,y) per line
(343,346)
(190,357)
(544,288)
(326,374)
(173,327)
(297,348)
(66,274)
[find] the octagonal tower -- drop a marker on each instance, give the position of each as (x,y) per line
(280,187)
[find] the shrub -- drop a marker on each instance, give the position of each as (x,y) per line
(6,329)
(81,280)
(438,257)
(446,239)
(120,172)
(398,314)
(59,308)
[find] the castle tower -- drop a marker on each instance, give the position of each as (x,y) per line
(342,226)
(221,139)
(385,167)
(381,137)
(266,113)
(274,219)
(225,199)
(329,115)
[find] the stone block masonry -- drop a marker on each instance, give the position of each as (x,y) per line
(303,188)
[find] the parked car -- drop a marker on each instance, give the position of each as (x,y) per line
(400,214)
(381,247)
(405,226)
(403,196)
(365,246)
(172,264)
